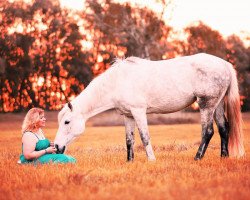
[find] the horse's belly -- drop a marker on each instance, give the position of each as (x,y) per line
(170,105)
(161,99)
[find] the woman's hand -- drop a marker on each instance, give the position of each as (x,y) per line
(51,150)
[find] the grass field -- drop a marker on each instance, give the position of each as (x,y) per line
(102,172)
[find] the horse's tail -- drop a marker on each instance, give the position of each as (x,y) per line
(235,143)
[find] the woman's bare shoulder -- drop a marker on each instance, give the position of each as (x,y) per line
(29,136)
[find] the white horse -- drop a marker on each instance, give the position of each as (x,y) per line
(136,87)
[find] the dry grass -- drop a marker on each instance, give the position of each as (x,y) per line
(102,172)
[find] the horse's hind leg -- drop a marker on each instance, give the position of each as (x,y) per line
(207,108)
(130,138)
(223,128)
(141,122)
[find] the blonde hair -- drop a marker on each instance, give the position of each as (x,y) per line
(31,119)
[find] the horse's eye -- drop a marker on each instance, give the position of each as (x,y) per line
(66,122)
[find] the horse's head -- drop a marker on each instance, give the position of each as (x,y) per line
(71,125)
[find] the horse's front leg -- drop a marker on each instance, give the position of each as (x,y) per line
(141,121)
(130,138)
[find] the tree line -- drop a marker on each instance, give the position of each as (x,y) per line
(49,54)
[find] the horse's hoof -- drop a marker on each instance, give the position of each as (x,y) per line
(224,155)
(197,158)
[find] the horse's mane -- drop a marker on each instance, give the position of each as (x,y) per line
(131,59)
(116,62)
(103,82)
(136,60)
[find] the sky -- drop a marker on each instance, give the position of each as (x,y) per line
(226,16)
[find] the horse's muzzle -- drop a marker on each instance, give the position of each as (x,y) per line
(58,150)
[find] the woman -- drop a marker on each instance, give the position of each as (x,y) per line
(35,147)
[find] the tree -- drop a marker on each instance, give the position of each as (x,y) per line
(239,56)
(121,30)
(202,39)
(34,70)
(14,49)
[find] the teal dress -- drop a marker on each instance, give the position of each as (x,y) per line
(47,158)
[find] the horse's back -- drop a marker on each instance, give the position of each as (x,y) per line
(211,75)
(156,85)
(187,69)
(168,85)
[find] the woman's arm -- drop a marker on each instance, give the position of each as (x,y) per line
(29,145)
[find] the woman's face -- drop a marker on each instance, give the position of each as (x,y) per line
(42,120)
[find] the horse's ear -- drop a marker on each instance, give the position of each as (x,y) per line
(70,106)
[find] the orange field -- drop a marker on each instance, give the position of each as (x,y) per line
(102,172)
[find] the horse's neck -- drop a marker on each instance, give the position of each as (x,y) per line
(94,100)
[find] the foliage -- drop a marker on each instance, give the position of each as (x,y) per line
(202,38)
(41,56)
(122,31)
(240,57)
(48,55)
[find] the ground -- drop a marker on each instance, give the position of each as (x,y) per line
(102,172)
